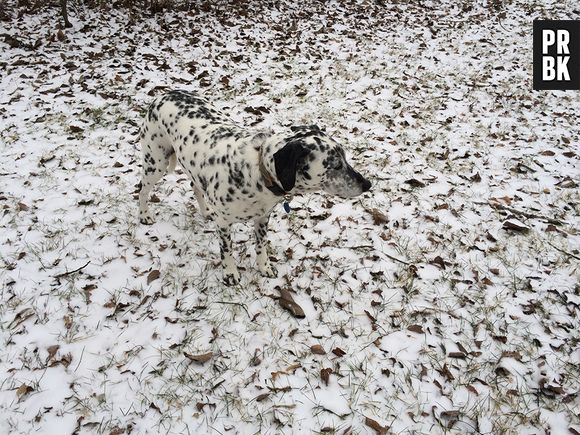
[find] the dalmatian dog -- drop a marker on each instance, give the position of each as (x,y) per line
(237,174)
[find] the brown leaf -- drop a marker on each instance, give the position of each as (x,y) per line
(52,350)
(378,217)
(415,183)
(548,153)
(287,302)
(456,355)
(292,367)
(511,354)
(199,359)
(23,390)
(514,225)
(75,129)
(438,261)
(22,207)
(262,397)
(325,375)
(153,275)
(476,178)
(446,372)
(373,424)
(317,349)
(567,183)
(338,351)
(486,281)
(472,389)
(370,316)
(416,328)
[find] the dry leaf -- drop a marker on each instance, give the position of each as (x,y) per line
(338,351)
(287,302)
(378,217)
(23,390)
(199,359)
(415,183)
(52,350)
(438,261)
(317,349)
(153,275)
(515,225)
(373,424)
(325,375)
(416,328)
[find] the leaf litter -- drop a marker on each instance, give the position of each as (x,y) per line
(447,298)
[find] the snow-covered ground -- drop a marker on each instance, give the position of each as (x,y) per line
(446,300)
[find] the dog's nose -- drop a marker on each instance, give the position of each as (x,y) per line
(366,186)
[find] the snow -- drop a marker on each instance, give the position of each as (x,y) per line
(437,320)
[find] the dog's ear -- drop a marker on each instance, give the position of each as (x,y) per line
(286,162)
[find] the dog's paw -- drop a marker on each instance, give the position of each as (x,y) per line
(231,276)
(268,270)
(146,218)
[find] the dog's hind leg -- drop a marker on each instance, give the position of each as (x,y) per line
(200,201)
(157,159)
(262,260)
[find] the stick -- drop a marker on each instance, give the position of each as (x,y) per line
(525,214)
(60,275)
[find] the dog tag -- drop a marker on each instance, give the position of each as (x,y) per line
(286,207)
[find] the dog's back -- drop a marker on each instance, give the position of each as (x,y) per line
(215,153)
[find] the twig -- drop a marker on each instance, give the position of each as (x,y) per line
(524,213)
(60,275)
(563,252)
(396,259)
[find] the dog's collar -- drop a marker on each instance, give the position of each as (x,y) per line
(271,185)
(269,182)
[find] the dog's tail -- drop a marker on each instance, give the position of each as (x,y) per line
(172,163)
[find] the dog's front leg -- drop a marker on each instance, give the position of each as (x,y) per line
(262,260)
(230,270)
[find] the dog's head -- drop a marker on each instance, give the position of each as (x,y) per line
(310,160)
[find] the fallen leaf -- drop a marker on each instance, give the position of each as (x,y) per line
(416,328)
(52,350)
(378,217)
(415,183)
(476,178)
(373,424)
(338,351)
(317,349)
(23,390)
(262,397)
(153,275)
(199,359)
(515,225)
(325,375)
(439,262)
(287,302)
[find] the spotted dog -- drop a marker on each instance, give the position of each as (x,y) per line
(238,174)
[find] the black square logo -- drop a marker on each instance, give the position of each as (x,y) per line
(556,54)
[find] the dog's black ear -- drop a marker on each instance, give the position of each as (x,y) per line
(286,162)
